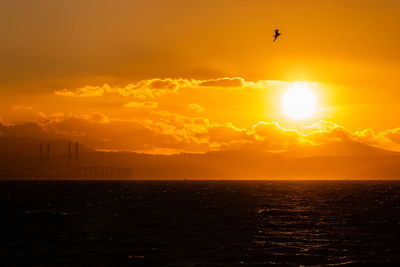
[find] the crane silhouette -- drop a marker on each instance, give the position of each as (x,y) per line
(277,33)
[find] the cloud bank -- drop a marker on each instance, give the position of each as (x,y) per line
(176,115)
(152,88)
(166,132)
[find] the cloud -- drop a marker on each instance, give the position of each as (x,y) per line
(326,132)
(85,91)
(2,122)
(184,127)
(196,108)
(163,131)
(96,117)
(151,88)
(223,82)
(141,105)
(21,107)
(141,89)
(275,137)
(392,135)
(369,136)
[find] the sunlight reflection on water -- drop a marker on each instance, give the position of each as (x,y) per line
(201,223)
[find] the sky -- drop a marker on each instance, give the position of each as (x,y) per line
(194,76)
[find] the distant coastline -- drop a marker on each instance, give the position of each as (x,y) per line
(341,161)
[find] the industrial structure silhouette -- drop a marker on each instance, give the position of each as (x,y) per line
(61,167)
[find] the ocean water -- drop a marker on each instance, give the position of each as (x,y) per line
(199,223)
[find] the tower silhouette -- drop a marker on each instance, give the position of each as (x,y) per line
(44,159)
(73,162)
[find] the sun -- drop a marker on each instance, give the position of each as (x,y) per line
(299,102)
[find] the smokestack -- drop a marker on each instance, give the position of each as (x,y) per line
(76,151)
(48,151)
(41,151)
(69,150)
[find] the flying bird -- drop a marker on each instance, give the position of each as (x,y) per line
(277,33)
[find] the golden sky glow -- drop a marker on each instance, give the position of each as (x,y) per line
(173,76)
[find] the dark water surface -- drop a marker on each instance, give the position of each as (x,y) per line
(199,223)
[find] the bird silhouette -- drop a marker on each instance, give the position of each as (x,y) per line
(277,33)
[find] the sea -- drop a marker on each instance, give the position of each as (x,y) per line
(200,223)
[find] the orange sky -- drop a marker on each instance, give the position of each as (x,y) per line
(198,75)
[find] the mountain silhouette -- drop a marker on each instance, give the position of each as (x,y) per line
(343,148)
(340,160)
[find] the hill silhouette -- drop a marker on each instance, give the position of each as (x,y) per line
(344,148)
(342,160)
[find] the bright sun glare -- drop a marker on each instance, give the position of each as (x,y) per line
(299,102)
